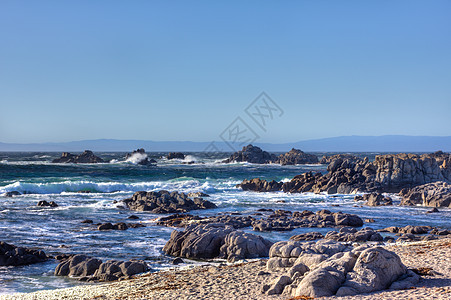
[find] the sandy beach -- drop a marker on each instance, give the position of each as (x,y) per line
(244,280)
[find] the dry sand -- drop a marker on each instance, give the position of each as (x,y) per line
(241,281)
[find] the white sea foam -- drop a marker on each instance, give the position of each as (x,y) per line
(136,158)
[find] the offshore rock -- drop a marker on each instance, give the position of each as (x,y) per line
(11,255)
(260,185)
(296,157)
(251,154)
(374,199)
(327,159)
(175,155)
(140,157)
(165,202)
(87,157)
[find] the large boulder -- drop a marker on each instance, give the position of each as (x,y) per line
(87,157)
(347,234)
(11,255)
(251,154)
(139,157)
(175,155)
(437,194)
(240,245)
(165,202)
(296,157)
(113,269)
(78,265)
(208,241)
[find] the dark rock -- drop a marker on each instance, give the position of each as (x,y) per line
(296,157)
(133,217)
(327,159)
(175,155)
(86,157)
(105,226)
(251,154)
(352,235)
(11,194)
(78,265)
(139,157)
(11,255)
(374,199)
(259,185)
(87,221)
(437,194)
(176,220)
(309,236)
(48,204)
(177,261)
(165,202)
(434,210)
(113,270)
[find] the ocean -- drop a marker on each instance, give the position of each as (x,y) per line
(92,191)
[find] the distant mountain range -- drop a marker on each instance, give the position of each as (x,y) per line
(385,143)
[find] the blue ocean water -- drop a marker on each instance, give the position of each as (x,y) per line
(59,230)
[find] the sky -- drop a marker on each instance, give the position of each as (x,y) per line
(185,70)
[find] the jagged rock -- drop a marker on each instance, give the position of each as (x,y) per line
(260,185)
(301,183)
(78,265)
(177,220)
(140,157)
(197,195)
(11,194)
(323,218)
(165,202)
(175,155)
(87,157)
(352,235)
(48,204)
(374,199)
(296,157)
(309,236)
(251,154)
(407,229)
(437,194)
(327,159)
(11,255)
(240,245)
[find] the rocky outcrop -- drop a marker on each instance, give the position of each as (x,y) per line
(327,268)
(374,199)
(327,159)
(92,269)
(437,194)
(175,155)
(251,154)
(11,255)
(309,236)
(216,240)
(260,185)
(165,202)
(352,235)
(86,157)
(285,220)
(388,173)
(183,220)
(118,226)
(296,157)
(139,157)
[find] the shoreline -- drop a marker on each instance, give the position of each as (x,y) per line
(244,280)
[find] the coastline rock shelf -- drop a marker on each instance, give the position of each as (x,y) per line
(387,173)
(87,157)
(163,202)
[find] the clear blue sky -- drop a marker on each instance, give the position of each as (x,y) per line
(183,70)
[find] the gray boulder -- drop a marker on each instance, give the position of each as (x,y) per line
(436,194)
(240,245)
(374,199)
(78,265)
(296,157)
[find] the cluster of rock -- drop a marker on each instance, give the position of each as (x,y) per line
(165,202)
(87,157)
(93,269)
(285,220)
(415,233)
(216,240)
(437,194)
(44,203)
(118,226)
(352,235)
(11,255)
(296,157)
(387,173)
(141,157)
(256,155)
(374,199)
(175,155)
(327,159)
(326,268)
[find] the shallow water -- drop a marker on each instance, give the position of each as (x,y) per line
(59,230)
